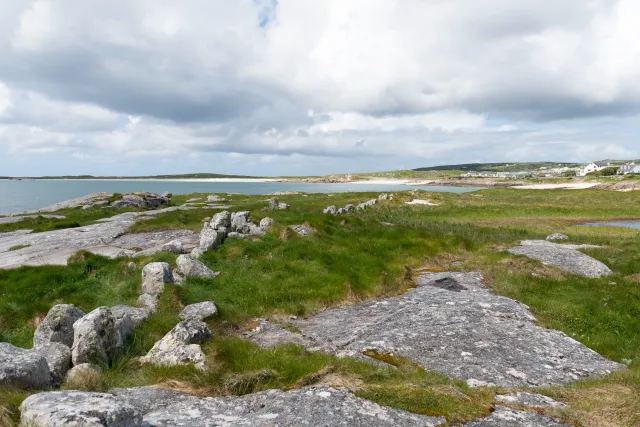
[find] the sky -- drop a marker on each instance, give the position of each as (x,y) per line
(313,87)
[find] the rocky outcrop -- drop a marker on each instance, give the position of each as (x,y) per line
(57,326)
(507,417)
(190,267)
(76,408)
(331,210)
(564,257)
(302,230)
(274,205)
(95,338)
(210,238)
(240,222)
(58,357)
(266,223)
(149,301)
(199,311)
(150,399)
(141,200)
(451,323)
(180,346)
(213,198)
(311,406)
(23,368)
(529,399)
(174,246)
(154,277)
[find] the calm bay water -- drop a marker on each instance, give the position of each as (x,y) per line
(633,224)
(20,196)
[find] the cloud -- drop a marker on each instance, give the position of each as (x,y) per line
(420,81)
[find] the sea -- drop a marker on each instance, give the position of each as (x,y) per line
(28,195)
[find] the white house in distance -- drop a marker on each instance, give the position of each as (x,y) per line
(629,168)
(593,167)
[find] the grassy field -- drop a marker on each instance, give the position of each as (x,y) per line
(355,258)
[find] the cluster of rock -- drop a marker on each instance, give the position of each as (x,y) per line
(67,337)
(224,225)
(142,200)
(332,210)
(275,204)
(156,275)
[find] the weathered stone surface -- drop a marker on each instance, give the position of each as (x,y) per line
(209,238)
(311,406)
(529,399)
(565,257)
(55,247)
(77,408)
(180,345)
(212,198)
(274,204)
(130,201)
(196,253)
(557,236)
(193,268)
(96,337)
(302,230)
(23,368)
(266,223)
(149,301)
(58,357)
(167,195)
(331,210)
(82,374)
(154,276)
(362,206)
(199,311)
(507,417)
(240,236)
(149,399)
(177,278)
(255,230)
(136,315)
(57,326)
(221,219)
(240,222)
(469,334)
(383,197)
(174,246)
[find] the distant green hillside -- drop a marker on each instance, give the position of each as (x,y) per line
(498,167)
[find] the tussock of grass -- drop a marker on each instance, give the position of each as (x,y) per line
(18,247)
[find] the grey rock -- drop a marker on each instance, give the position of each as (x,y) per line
(340,211)
(177,278)
(529,399)
(149,301)
(209,238)
(195,199)
(82,374)
(180,345)
(96,337)
(564,257)
(274,204)
(57,326)
(270,335)
(221,219)
(213,198)
(55,247)
(136,314)
(130,201)
(348,208)
(330,210)
(362,206)
(87,207)
(469,334)
(507,417)
(193,268)
(383,197)
(167,195)
(154,277)
(58,357)
(223,232)
(174,246)
(199,311)
(255,230)
(240,236)
(23,368)
(557,236)
(149,399)
(302,230)
(132,266)
(266,223)
(311,406)
(240,222)
(77,408)
(196,253)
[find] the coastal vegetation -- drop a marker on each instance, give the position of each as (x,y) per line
(350,259)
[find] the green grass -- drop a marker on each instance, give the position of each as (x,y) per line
(18,247)
(354,258)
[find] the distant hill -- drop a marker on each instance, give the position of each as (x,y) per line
(498,167)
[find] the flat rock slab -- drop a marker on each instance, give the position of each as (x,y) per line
(451,323)
(529,399)
(565,257)
(507,417)
(106,237)
(312,406)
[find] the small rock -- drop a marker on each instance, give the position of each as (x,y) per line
(96,338)
(167,195)
(77,408)
(23,368)
(215,198)
(83,375)
(529,399)
(199,311)
(302,230)
(58,357)
(57,326)
(240,236)
(557,236)
(255,230)
(180,345)
(383,197)
(193,268)
(174,246)
(196,253)
(154,276)
(149,301)
(209,238)
(240,222)
(131,265)
(221,219)
(330,210)
(177,278)
(266,223)
(129,201)
(136,314)
(87,207)
(348,208)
